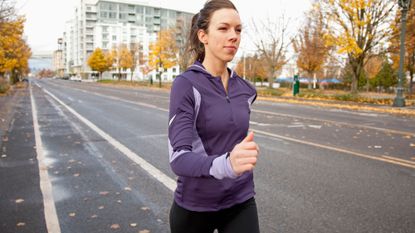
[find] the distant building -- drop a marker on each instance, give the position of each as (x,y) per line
(109,23)
(58,60)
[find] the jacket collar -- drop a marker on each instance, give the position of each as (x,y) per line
(198,66)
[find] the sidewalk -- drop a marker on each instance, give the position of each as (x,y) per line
(21,200)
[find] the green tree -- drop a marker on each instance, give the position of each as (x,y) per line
(386,77)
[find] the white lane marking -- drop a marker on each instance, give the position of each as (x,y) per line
(51,217)
(257,123)
(153,171)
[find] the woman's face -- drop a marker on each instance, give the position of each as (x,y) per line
(223,36)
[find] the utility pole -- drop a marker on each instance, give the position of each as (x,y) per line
(399,100)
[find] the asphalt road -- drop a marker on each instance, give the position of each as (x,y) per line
(105,148)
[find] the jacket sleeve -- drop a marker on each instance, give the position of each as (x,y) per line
(183,110)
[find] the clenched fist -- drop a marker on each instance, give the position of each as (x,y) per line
(244,155)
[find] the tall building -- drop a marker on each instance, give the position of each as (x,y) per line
(108,23)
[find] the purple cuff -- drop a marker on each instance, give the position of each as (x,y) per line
(222,168)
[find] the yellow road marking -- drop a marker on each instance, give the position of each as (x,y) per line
(398,159)
(408,134)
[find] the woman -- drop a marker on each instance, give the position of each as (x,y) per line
(210,151)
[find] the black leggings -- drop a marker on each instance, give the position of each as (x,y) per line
(241,218)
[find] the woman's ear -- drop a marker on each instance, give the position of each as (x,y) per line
(202,35)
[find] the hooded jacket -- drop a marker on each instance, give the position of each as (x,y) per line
(205,123)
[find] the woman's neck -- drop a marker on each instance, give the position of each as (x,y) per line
(216,68)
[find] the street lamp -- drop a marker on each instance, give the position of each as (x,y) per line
(399,99)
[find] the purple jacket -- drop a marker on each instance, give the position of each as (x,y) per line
(205,124)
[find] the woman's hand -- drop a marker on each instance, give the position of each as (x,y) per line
(244,155)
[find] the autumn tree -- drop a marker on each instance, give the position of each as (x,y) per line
(394,49)
(270,39)
(356,28)
(46,73)
(163,53)
(251,68)
(310,44)
(14,51)
(99,61)
(125,59)
(372,68)
(122,59)
(137,56)
(185,57)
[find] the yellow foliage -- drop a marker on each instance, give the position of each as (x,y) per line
(99,61)
(14,52)
(125,58)
(163,53)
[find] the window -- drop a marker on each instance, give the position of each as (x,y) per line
(139,9)
(112,15)
(114,37)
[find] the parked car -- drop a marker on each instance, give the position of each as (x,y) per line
(76,78)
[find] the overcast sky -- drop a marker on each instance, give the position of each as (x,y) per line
(46,18)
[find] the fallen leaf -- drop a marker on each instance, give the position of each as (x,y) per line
(127,189)
(19,201)
(133,224)
(76,174)
(72,214)
(103,193)
(145,208)
(115,226)
(412,145)
(119,201)
(407,136)
(101,207)
(3,156)
(71,161)
(378,147)
(144,231)
(94,216)
(21,224)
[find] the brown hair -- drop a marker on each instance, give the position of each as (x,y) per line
(201,20)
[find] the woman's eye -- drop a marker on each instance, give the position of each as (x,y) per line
(239,30)
(222,29)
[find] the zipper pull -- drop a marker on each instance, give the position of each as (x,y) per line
(227,99)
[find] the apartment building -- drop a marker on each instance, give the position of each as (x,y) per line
(109,23)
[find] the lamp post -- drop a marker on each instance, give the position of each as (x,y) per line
(399,100)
